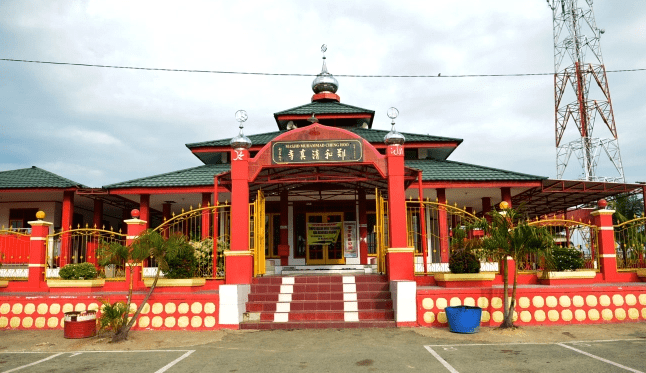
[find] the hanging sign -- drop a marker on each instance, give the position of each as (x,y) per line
(323,233)
(283,152)
(350,239)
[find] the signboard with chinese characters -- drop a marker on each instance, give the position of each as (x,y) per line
(350,239)
(326,151)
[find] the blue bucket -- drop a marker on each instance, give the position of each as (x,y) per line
(464,319)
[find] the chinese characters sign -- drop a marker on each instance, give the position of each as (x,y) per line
(316,151)
(350,239)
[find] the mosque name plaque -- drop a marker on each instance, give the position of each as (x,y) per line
(326,151)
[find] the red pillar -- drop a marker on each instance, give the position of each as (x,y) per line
(216,221)
(486,208)
(135,227)
(400,257)
(238,261)
(66,224)
(283,248)
(443,226)
(98,224)
(206,216)
(363,227)
(505,194)
(37,252)
(607,255)
(166,212)
(144,208)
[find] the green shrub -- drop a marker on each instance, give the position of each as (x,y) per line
(566,259)
(85,271)
(464,261)
(183,264)
(112,315)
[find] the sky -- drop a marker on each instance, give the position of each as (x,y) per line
(99,126)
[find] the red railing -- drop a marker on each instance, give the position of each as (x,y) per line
(14,247)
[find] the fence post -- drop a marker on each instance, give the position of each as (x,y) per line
(37,252)
(602,218)
(135,227)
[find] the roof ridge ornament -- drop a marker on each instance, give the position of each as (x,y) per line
(324,81)
(241,141)
(393,137)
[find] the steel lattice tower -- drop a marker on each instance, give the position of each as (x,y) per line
(577,37)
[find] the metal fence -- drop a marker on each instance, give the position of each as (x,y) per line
(630,243)
(14,253)
(203,226)
(80,246)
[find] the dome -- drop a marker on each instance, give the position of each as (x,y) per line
(241,141)
(394,138)
(325,82)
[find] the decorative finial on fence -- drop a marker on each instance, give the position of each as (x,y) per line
(40,215)
(135,214)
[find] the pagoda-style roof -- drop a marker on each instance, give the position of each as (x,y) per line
(328,112)
(34,177)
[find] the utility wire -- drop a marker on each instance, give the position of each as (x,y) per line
(289,74)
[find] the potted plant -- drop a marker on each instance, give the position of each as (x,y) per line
(77,275)
(565,264)
(464,263)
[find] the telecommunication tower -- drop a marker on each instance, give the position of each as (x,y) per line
(578,64)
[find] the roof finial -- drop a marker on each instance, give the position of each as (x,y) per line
(325,82)
(241,141)
(393,137)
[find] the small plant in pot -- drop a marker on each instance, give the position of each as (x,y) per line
(80,271)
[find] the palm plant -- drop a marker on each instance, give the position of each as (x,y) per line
(149,244)
(509,235)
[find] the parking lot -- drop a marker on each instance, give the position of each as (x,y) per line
(562,349)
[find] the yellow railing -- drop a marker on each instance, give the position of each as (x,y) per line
(79,246)
(429,226)
(257,233)
(381,231)
(203,226)
(630,244)
(569,233)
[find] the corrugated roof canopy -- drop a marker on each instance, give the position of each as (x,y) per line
(34,177)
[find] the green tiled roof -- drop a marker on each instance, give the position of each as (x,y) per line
(435,170)
(196,176)
(330,107)
(34,177)
(259,139)
(371,135)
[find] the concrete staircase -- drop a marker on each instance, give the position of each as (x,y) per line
(313,302)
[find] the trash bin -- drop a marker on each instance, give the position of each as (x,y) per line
(463,319)
(79,324)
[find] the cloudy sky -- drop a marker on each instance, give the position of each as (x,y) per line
(99,126)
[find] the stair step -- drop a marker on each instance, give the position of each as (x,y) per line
(318,325)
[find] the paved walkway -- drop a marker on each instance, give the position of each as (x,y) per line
(580,348)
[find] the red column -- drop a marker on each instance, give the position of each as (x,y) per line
(135,227)
(283,248)
(238,261)
(607,254)
(216,221)
(443,226)
(144,208)
(400,259)
(206,216)
(98,224)
(486,208)
(37,252)
(363,227)
(166,212)
(66,224)
(505,194)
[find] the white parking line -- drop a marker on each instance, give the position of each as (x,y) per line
(601,359)
(169,365)
(439,358)
(34,363)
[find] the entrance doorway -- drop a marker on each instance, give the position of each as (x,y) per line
(324,242)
